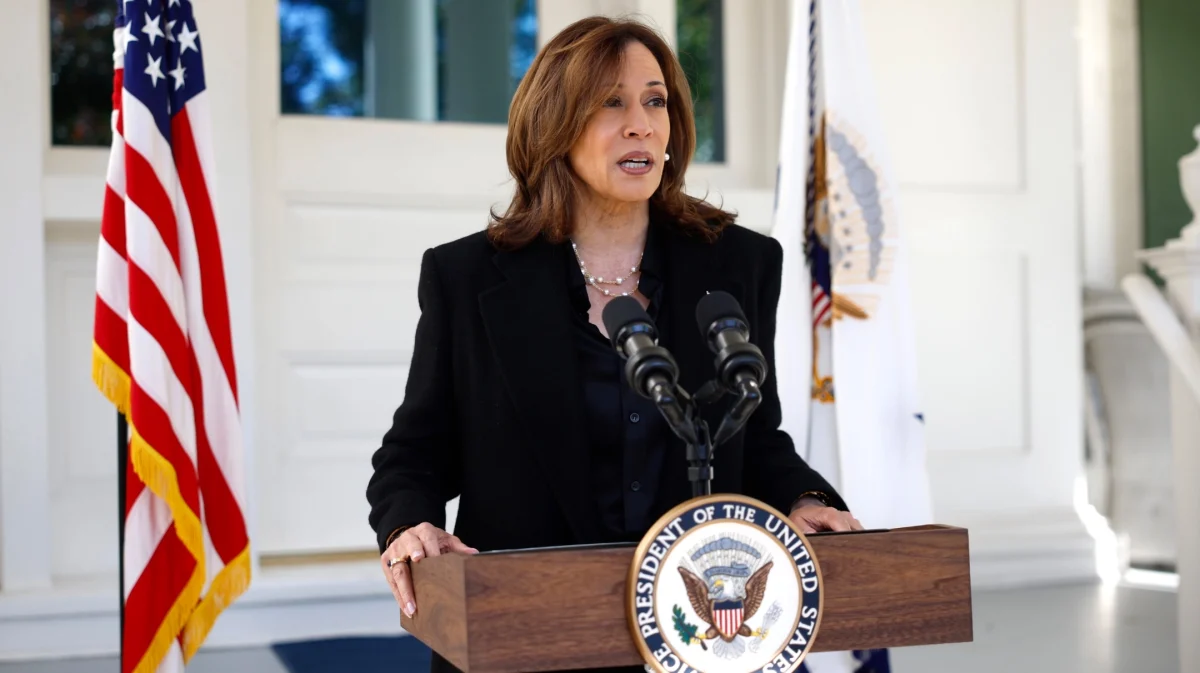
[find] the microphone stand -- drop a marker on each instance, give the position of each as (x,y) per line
(680,411)
(699,457)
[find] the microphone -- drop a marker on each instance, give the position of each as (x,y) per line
(723,325)
(741,366)
(649,368)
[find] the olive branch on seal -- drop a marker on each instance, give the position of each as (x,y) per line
(686,631)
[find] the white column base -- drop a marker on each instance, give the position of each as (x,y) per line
(1034,549)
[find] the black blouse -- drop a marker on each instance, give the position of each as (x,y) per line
(627,435)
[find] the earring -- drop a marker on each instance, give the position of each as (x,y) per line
(666,157)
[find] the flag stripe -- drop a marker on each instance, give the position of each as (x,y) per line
(217,398)
(115,177)
(152,204)
(112,286)
(154,376)
(112,231)
(169,576)
(143,136)
(148,251)
(134,487)
(109,328)
(146,522)
(227,541)
(151,312)
(208,247)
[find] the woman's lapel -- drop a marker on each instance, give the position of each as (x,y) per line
(528,323)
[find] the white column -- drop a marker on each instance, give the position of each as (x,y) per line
(478,37)
(401,63)
(661,15)
(1110,136)
(1178,262)
(24,129)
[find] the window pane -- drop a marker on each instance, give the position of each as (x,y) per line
(427,60)
(81,72)
(698,34)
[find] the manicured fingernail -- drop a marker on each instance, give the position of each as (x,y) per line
(417,555)
(409,608)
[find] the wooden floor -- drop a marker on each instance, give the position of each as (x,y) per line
(1066,629)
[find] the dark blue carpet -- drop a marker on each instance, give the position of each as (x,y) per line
(394,655)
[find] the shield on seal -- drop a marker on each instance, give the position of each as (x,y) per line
(728,617)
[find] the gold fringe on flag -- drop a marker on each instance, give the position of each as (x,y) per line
(112,381)
(230,583)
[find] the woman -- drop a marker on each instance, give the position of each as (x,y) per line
(516,402)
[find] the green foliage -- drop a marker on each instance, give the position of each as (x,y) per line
(686,631)
(699,45)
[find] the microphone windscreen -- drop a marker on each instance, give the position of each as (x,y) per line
(715,306)
(620,312)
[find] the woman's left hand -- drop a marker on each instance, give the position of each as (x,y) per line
(816,518)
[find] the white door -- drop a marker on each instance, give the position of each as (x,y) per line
(979,102)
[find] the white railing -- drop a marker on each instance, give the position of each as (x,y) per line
(1156,313)
(1176,327)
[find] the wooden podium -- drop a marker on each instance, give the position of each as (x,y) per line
(564,608)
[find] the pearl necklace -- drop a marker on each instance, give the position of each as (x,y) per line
(597,281)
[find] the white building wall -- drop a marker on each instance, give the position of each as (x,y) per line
(324,221)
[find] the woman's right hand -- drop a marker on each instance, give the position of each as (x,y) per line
(411,546)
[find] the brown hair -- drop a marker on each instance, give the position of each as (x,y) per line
(567,82)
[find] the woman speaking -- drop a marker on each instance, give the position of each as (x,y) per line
(516,400)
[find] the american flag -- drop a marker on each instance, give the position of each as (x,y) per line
(163,351)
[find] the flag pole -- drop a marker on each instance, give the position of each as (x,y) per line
(122,467)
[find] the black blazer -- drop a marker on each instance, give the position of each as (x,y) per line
(492,411)
(492,408)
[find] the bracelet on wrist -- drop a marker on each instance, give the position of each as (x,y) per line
(819,496)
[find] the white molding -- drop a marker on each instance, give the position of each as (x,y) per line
(24,484)
(73,198)
(1035,548)
(73,184)
(348,599)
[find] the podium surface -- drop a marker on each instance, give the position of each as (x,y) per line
(565,608)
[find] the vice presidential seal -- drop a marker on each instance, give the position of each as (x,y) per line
(724,583)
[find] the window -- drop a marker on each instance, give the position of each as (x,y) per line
(81,73)
(699,45)
(425,60)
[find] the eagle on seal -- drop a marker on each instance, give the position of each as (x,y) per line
(726,606)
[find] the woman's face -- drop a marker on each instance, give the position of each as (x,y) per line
(621,152)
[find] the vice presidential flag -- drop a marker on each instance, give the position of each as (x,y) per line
(163,349)
(844,347)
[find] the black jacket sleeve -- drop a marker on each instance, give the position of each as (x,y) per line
(418,466)
(774,472)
